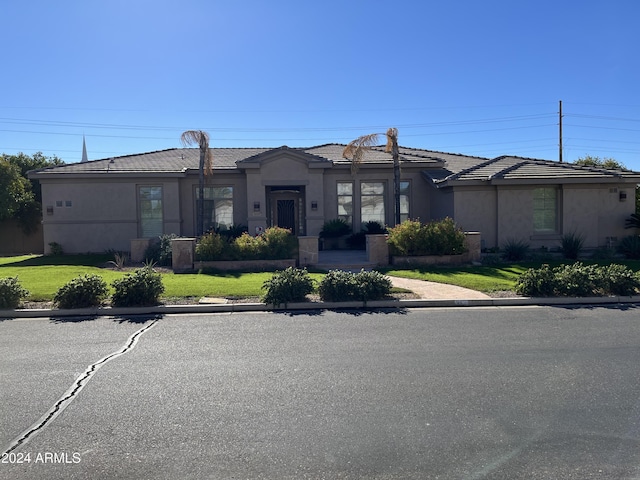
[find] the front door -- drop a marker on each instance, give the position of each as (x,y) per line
(286,208)
(286,213)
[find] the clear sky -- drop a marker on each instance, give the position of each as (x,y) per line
(463,76)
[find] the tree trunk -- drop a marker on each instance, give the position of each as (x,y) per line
(396,179)
(200,206)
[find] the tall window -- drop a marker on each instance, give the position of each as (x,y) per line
(372,202)
(404,200)
(218,207)
(345,202)
(545,209)
(150,199)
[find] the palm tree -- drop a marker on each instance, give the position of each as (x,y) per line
(356,149)
(200,138)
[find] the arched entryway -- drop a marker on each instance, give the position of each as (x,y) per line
(285,208)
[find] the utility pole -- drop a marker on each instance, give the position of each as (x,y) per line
(560,134)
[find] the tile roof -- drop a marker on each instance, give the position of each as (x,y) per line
(178,160)
(447,168)
(523,169)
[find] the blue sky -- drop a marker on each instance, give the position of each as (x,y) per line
(478,78)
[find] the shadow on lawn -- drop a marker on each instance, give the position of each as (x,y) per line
(89,260)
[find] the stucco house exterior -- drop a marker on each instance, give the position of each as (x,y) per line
(102,205)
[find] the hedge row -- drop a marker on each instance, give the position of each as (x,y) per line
(274,244)
(578,280)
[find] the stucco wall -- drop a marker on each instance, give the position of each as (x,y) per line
(506,213)
(597,213)
(475,211)
(102,216)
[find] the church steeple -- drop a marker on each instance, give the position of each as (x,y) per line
(84,151)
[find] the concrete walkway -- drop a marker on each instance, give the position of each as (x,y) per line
(437,291)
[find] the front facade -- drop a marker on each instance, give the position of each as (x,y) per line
(103,204)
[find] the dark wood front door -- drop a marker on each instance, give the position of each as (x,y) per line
(286,214)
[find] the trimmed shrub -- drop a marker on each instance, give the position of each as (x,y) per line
(81,292)
(578,280)
(278,243)
(372,285)
(434,238)
(341,286)
(571,245)
(337,286)
(11,293)
(536,282)
(275,243)
(289,285)
(248,247)
(619,280)
(515,250)
(630,247)
(141,288)
(210,247)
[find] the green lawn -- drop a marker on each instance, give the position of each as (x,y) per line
(485,278)
(44,275)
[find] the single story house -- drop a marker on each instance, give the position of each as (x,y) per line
(101,205)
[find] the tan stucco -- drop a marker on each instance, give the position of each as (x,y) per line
(104,211)
(505,212)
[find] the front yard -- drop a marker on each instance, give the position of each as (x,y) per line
(44,275)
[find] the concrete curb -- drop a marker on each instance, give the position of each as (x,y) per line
(258,307)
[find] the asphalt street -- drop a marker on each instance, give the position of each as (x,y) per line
(455,393)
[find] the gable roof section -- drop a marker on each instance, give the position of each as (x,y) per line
(272,154)
(521,170)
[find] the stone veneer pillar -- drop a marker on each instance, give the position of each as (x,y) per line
(138,248)
(474,247)
(183,251)
(307,251)
(377,249)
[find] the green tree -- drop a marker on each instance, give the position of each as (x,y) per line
(200,138)
(14,190)
(606,162)
(21,198)
(356,149)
